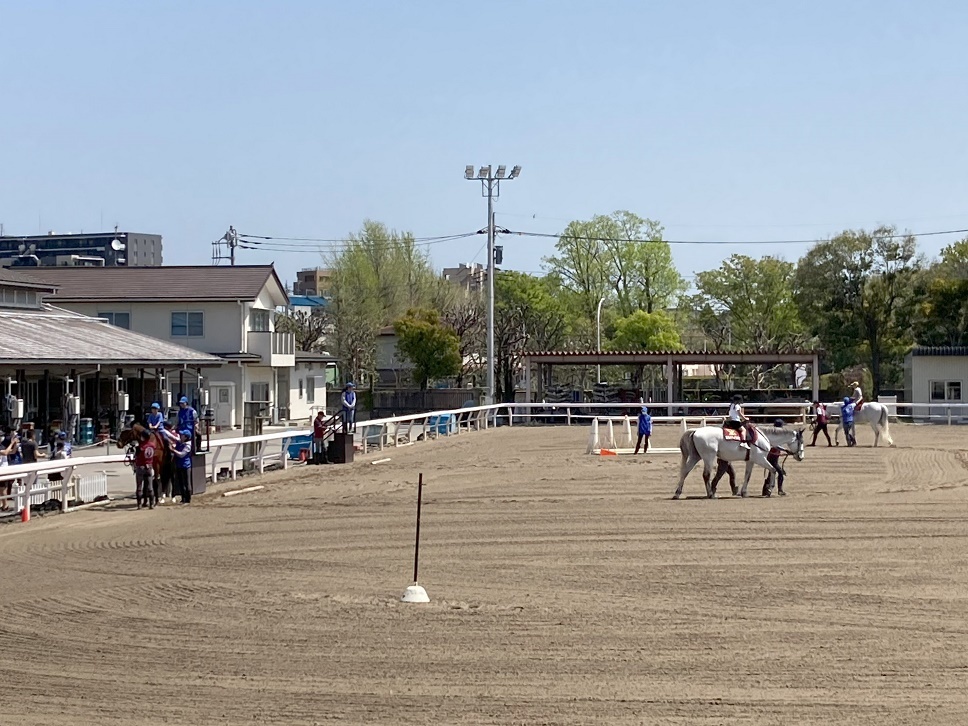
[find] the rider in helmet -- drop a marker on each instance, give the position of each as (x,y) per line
(155,418)
(857,396)
(736,418)
(847,420)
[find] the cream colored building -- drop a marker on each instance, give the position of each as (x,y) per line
(935,379)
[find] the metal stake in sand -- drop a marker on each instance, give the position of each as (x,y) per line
(415,593)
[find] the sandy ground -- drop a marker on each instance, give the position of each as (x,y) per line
(567,589)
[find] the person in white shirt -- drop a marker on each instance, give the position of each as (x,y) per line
(857,396)
(736,418)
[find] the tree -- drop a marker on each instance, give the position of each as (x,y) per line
(857,293)
(646,331)
(751,301)
(621,257)
(377,277)
(466,315)
(309,328)
(528,315)
(941,317)
(432,348)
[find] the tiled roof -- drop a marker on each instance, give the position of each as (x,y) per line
(11,277)
(53,336)
(197,283)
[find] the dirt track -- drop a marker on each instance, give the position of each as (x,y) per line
(567,589)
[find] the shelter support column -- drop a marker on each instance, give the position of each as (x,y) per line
(527,380)
(815,368)
(670,384)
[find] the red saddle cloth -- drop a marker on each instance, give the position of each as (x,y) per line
(738,435)
(859,406)
(734,434)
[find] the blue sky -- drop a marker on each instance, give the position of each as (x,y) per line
(736,121)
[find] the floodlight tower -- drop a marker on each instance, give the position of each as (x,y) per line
(490,188)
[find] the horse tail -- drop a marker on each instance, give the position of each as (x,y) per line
(885,425)
(687,443)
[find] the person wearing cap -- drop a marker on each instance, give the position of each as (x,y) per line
(348,401)
(155,418)
(183,465)
(187,418)
(645,431)
(68,448)
(736,418)
(857,397)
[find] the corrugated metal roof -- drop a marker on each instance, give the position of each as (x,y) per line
(949,350)
(620,353)
(195,283)
(53,336)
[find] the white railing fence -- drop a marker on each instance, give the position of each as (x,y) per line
(84,478)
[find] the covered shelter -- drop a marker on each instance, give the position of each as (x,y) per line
(671,361)
(58,367)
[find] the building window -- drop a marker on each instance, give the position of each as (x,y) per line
(259,321)
(223,395)
(300,389)
(310,389)
(118,320)
(187,325)
(260,392)
(945,390)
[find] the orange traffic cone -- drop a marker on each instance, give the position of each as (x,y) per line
(607,452)
(25,513)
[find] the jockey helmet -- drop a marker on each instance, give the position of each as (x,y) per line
(183,399)
(186,433)
(846,400)
(350,385)
(778,423)
(855,384)
(156,405)
(62,435)
(737,398)
(645,410)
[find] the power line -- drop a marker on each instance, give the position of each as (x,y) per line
(723,242)
(255,239)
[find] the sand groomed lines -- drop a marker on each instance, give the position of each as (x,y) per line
(566,589)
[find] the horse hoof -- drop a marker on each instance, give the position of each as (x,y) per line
(676,496)
(782,493)
(744,495)
(712,496)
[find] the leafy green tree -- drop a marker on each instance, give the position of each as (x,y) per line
(621,257)
(529,314)
(857,293)
(646,331)
(377,277)
(749,303)
(942,312)
(432,348)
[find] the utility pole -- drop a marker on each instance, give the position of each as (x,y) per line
(490,188)
(229,241)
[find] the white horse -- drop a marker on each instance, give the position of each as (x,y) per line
(873,413)
(707,444)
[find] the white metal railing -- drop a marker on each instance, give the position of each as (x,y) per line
(259,451)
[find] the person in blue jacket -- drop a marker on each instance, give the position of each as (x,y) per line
(155,418)
(645,431)
(183,466)
(847,420)
(188,420)
(348,401)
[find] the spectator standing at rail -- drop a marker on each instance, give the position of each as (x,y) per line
(645,431)
(819,423)
(847,421)
(348,401)
(188,420)
(183,465)
(319,438)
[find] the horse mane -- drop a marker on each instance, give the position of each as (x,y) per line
(772,431)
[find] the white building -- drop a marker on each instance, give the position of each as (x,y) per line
(936,377)
(224,311)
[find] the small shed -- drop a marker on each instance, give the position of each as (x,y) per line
(934,381)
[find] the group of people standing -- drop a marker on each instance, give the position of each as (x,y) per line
(20,447)
(174,476)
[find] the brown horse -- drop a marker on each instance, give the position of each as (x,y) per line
(153,446)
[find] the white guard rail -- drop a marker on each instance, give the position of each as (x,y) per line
(31,484)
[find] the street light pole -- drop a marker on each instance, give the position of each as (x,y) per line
(598,326)
(490,188)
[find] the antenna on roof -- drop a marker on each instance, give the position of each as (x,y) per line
(228,242)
